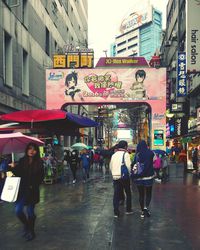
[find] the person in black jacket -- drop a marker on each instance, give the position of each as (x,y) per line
(73,161)
(30,169)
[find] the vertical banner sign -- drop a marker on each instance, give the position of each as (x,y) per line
(181,75)
(193,35)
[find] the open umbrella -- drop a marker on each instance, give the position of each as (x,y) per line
(160,152)
(79,146)
(16,142)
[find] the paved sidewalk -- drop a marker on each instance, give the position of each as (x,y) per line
(80,216)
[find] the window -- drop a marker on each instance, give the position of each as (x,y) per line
(132,46)
(119,44)
(121,50)
(8,60)
(132,38)
(25,74)
(47,42)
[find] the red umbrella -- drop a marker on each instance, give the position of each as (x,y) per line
(56,120)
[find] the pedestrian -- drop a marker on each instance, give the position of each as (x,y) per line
(121,182)
(73,162)
(85,163)
(157,164)
(30,169)
(195,160)
(96,159)
(3,169)
(144,181)
(165,168)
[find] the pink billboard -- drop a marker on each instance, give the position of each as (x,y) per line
(107,86)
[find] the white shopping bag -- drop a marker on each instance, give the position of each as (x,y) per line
(10,189)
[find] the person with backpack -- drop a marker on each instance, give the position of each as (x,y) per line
(120,167)
(144,180)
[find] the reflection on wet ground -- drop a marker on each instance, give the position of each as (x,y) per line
(80,216)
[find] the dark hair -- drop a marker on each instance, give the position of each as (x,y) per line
(140,73)
(122,144)
(36,159)
(69,78)
(35,146)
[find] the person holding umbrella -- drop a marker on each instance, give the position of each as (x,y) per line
(30,169)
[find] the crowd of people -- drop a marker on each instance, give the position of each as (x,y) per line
(140,167)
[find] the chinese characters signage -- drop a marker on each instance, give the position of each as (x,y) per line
(59,61)
(181,75)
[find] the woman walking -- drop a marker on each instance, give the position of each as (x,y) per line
(30,169)
(144,180)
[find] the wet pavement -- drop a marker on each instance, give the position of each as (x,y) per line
(80,216)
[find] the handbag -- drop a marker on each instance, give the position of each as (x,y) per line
(10,189)
(138,167)
(124,169)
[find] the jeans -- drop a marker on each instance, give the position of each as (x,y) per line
(119,186)
(85,173)
(19,208)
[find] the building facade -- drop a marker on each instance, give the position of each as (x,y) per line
(31,31)
(140,33)
(180,52)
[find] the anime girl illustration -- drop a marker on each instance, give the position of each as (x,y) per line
(71,81)
(138,90)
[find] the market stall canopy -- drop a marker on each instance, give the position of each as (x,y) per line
(56,120)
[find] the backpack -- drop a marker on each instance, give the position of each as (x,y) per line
(124,169)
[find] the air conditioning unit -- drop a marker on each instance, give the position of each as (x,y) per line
(168,43)
(173,64)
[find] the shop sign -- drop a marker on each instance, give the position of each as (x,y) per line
(176,107)
(181,75)
(59,61)
(192,125)
(137,18)
(181,126)
(193,35)
(158,137)
(70,48)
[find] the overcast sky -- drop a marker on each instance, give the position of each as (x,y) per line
(104,19)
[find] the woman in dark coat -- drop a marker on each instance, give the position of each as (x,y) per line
(30,169)
(144,181)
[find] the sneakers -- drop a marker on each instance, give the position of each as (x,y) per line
(116,214)
(146,212)
(129,212)
(142,215)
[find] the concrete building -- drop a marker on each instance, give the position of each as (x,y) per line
(31,31)
(140,33)
(180,52)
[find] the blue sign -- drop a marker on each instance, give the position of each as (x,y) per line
(181,75)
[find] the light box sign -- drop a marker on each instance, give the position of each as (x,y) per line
(181,75)
(158,137)
(109,86)
(193,35)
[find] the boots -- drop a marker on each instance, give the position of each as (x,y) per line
(31,224)
(24,221)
